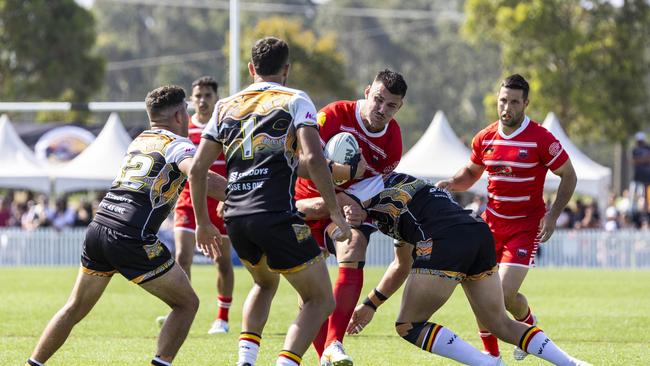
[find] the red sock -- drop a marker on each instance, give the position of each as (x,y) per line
(319,341)
(223,303)
(528,319)
(490,342)
(346,293)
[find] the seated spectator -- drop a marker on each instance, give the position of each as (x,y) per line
(19,210)
(37,213)
(84,214)
(5,211)
(566,220)
(63,216)
(611,219)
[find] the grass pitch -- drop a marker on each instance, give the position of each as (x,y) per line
(597,315)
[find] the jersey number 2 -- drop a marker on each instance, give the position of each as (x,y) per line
(134,169)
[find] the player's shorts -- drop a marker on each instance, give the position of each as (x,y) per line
(318,231)
(462,252)
(515,241)
(107,251)
(283,238)
(184,219)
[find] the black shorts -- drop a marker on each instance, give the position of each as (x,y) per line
(283,238)
(461,252)
(107,251)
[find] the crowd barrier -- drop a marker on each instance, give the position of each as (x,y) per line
(624,249)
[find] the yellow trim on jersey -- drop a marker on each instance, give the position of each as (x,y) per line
(482,275)
(93,272)
(160,269)
(259,103)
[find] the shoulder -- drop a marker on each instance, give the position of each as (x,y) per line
(340,106)
(487,132)
(539,132)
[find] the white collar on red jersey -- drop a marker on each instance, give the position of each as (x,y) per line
(521,129)
(196,122)
(357,113)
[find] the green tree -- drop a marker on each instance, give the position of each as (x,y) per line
(46,51)
(317,67)
(586,60)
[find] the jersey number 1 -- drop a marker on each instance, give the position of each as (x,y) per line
(247,130)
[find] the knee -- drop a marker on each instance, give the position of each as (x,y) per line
(193,303)
(184,257)
(73,310)
(411,331)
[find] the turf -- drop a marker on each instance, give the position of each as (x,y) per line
(597,315)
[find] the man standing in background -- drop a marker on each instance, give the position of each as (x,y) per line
(517,153)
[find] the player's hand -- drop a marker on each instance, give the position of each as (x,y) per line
(220,209)
(360,318)
(343,232)
(444,184)
(208,240)
(546,228)
(354,214)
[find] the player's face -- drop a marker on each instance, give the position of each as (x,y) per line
(204,99)
(511,106)
(381,106)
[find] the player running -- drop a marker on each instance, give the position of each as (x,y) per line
(517,153)
(122,236)
(260,130)
(371,121)
(440,246)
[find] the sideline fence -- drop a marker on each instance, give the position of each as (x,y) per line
(624,249)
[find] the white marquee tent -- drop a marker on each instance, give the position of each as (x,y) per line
(438,154)
(20,167)
(97,166)
(593,178)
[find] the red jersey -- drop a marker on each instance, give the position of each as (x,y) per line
(219,166)
(517,166)
(382,150)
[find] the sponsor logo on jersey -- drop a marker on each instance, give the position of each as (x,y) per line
(522,252)
(309,116)
(503,170)
(488,151)
(321,118)
(302,232)
(554,148)
(523,153)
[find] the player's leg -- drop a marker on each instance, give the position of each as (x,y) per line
(225,284)
(174,288)
(423,295)
(315,290)
(351,256)
(486,300)
(256,310)
(184,241)
(87,290)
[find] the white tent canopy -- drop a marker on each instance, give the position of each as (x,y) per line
(438,154)
(97,166)
(593,178)
(20,167)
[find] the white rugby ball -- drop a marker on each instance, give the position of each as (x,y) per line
(342,148)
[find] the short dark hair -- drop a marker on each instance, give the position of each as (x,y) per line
(206,81)
(516,81)
(163,98)
(269,55)
(393,81)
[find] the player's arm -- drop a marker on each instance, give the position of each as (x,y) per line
(216,184)
(339,171)
(208,237)
(392,280)
(321,176)
(463,179)
(568,181)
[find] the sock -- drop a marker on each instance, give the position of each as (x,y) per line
(158,362)
(319,341)
(528,319)
(536,343)
(288,358)
(249,345)
(223,303)
(346,294)
(33,362)
(490,342)
(442,341)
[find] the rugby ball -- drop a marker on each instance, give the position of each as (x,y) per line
(342,148)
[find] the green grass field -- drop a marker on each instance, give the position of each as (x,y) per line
(601,316)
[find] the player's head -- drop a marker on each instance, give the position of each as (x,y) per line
(205,93)
(166,108)
(512,100)
(270,60)
(384,98)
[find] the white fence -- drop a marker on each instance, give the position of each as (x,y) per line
(626,249)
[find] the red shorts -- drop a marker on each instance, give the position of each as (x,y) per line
(184,218)
(515,241)
(318,230)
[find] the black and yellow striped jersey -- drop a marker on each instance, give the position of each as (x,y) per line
(257,128)
(148,184)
